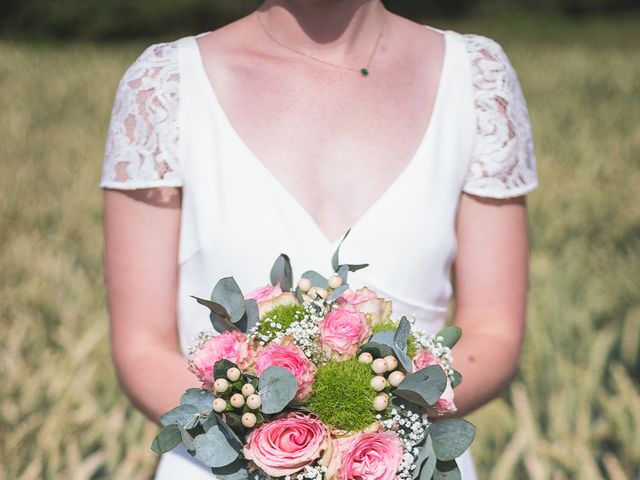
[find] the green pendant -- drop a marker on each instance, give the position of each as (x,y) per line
(364,72)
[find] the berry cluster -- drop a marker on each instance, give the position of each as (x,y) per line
(381,367)
(237,394)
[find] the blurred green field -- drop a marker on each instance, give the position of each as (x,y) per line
(573,411)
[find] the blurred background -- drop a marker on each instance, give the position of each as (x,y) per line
(573,411)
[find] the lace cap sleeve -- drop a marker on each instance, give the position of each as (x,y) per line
(503,163)
(142,143)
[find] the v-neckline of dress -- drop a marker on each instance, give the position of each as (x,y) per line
(273,179)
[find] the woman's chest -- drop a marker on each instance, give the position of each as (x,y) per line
(335,140)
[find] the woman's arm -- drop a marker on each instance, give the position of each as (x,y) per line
(141,232)
(491,277)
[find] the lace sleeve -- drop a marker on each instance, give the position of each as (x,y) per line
(503,163)
(142,144)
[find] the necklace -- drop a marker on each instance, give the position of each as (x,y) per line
(363,71)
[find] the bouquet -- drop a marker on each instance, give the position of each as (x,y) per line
(317,382)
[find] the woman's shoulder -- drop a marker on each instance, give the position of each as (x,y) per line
(141,150)
(475,45)
(161,56)
(503,163)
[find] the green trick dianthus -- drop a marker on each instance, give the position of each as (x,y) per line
(384,325)
(342,396)
(281,317)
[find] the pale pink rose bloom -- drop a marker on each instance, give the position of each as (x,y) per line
(366,456)
(231,345)
(342,331)
(368,302)
(360,295)
(264,293)
(286,298)
(423,359)
(271,296)
(286,445)
(291,357)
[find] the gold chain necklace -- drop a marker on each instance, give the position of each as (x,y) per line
(364,71)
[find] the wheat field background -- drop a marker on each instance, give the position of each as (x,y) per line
(573,411)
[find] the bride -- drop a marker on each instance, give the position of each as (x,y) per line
(277,133)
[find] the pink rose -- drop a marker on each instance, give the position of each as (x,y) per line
(366,456)
(291,357)
(286,445)
(444,404)
(342,331)
(423,359)
(231,345)
(368,302)
(264,293)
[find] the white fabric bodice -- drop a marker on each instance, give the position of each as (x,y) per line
(168,129)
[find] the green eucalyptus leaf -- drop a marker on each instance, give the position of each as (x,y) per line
(232,427)
(299,296)
(191,424)
(201,399)
(355,268)
(451,437)
(423,387)
(281,273)
(209,421)
(424,451)
(228,294)
(237,470)
(384,337)
(400,346)
(167,439)
(457,379)
(317,280)
(333,296)
(218,315)
(181,415)
(401,336)
(220,369)
(299,407)
(277,387)
(335,259)
(340,268)
(251,314)
(229,430)
(213,449)
(405,404)
(450,335)
(446,471)
(343,271)
(393,347)
(426,473)
(378,350)
(187,439)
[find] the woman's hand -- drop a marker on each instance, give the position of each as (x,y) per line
(491,279)
(141,234)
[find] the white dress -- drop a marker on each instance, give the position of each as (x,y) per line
(168,129)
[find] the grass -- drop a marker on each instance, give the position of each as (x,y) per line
(573,411)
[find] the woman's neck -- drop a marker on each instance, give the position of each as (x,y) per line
(341,29)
